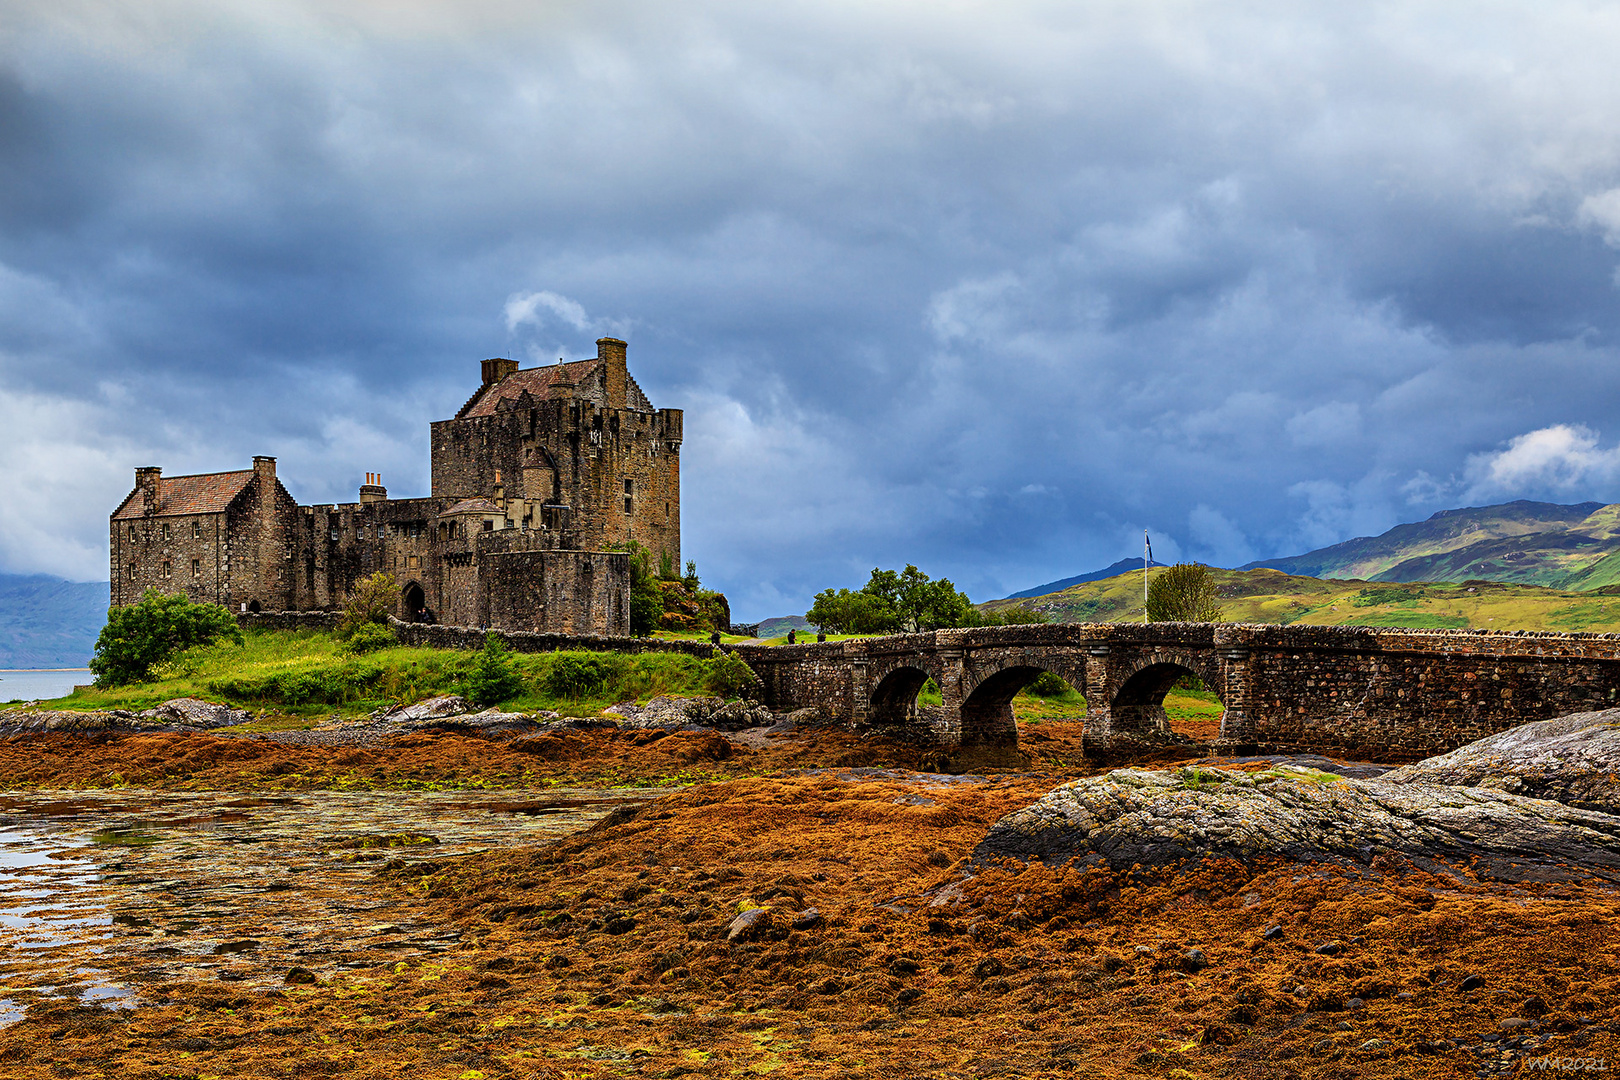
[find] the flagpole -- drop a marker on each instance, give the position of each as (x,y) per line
(1147,557)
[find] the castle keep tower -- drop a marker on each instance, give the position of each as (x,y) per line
(535,479)
(579,440)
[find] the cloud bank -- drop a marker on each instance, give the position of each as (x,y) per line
(987,288)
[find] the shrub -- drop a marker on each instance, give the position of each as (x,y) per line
(368,606)
(577,675)
(143,635)
(369,637)
(1184,592)
(494,677)
(730,677)
(1048,685)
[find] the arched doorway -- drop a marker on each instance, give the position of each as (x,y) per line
(414,602)
(1139,704)
(894,699)
(254,606)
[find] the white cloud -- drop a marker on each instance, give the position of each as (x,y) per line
(1556,460)
(522,308)
(1602,211)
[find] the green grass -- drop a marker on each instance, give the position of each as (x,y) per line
(304,674)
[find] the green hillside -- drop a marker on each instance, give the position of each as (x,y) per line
(1270,596)
(1530,543)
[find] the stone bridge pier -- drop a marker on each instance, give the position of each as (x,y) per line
(1384,693)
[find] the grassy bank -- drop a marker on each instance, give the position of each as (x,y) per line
(307,673)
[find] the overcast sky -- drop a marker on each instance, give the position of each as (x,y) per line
(985,287)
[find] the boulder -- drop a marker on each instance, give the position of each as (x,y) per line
(1574,760)
(196,713)
(1165,817)
(434,708)
(672,713)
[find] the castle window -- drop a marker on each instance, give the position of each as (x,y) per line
(165,530)
(196,530)
(168,568)
(629,504)
(489,524)
(360,533)
(132,534)
(334,534)
(132,571)
(196,567)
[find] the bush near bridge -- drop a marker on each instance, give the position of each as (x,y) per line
(1184,592)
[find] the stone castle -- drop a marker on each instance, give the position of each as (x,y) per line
(539,474)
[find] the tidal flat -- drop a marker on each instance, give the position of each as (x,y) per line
(242,906)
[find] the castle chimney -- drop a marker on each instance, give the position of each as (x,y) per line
(611,352)
(372,490)
(497,369)
(149,481)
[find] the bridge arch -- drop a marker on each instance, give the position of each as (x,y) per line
(993,682)
(1135,694)
(894,696)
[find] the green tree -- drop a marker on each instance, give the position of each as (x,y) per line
(844,612)
(368,606)
(494,677)
(1184,592)
(891,601)
(646,598)
(140,636)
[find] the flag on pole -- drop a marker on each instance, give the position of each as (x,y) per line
(1147,559)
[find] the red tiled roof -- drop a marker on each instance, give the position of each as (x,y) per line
(206,493)
(537,381)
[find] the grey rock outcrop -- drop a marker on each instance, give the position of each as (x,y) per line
(1158,818)
(433,708)
(671,713)
(1573,760)
(178,714)
(195,713)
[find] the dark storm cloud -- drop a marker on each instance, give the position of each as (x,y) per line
(987,289)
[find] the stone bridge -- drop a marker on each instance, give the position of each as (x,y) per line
(1349,690)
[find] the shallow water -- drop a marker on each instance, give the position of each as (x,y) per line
(105,895)
(41,684)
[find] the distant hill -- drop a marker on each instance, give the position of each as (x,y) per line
(1531,543)
(1270,596)
(46,622)
(1124,566)
(782,624)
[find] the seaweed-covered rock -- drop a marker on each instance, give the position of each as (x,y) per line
(1158,818)
(1573,760)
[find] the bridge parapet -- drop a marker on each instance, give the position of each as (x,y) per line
(1390,692)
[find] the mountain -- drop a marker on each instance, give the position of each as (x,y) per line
(1270,596)
(46,622)
(1124,566)
(1530,543)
